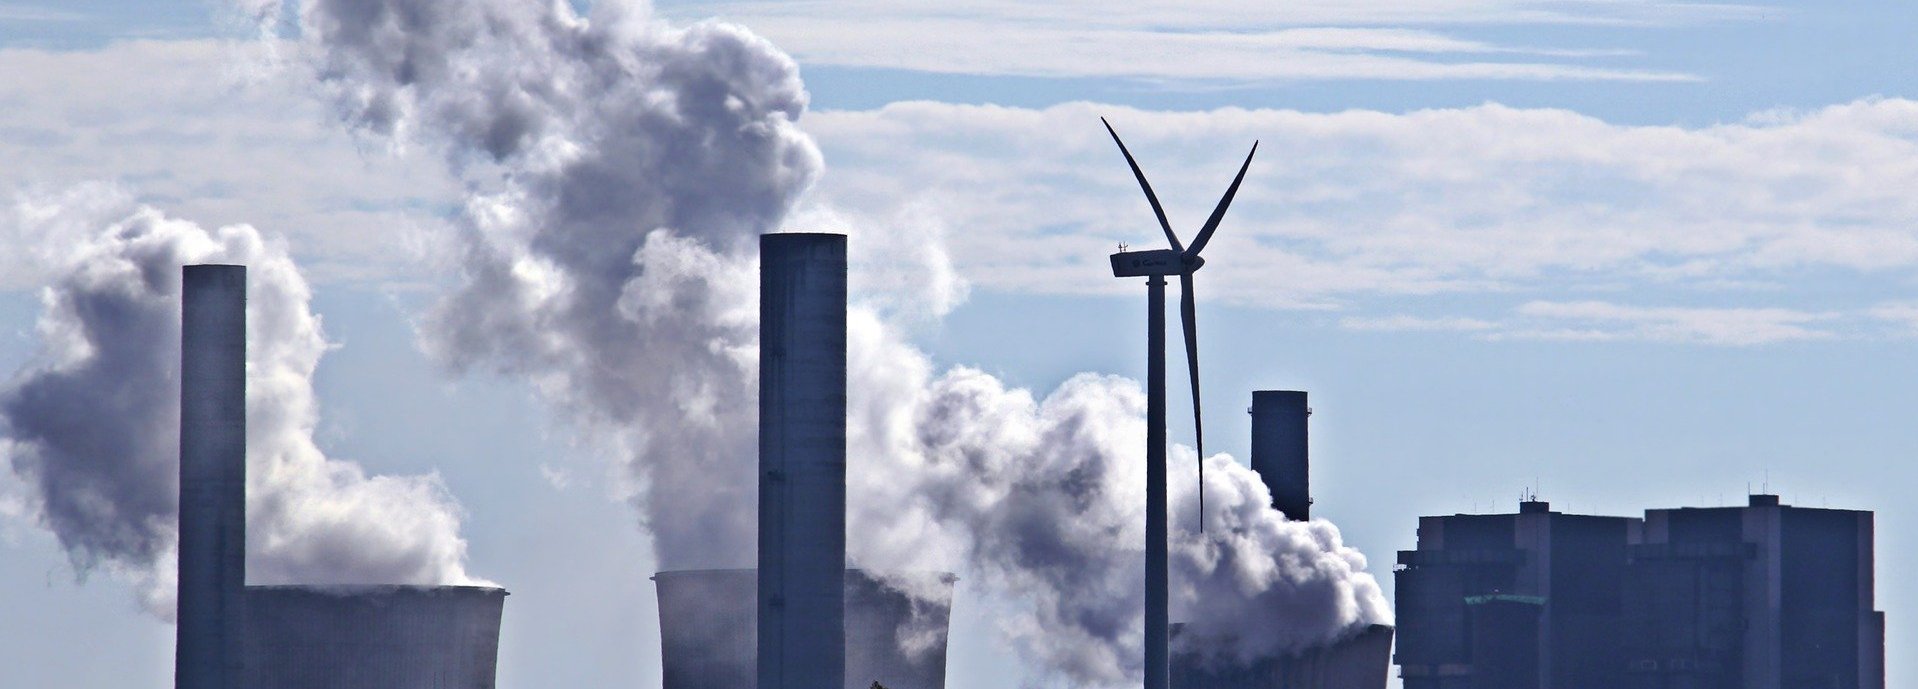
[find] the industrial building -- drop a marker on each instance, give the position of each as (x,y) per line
(234,636)
(1281,457)
(707,629)
(1513,600)
(1763,596)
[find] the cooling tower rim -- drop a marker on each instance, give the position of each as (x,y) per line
(804,234)
(947,577)
(377,589)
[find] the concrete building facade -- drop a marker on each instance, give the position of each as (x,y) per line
(1764,596)
(1760,596)
(1513,601)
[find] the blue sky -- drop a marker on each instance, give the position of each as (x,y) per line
(1634,253)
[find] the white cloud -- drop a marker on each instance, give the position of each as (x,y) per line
(1339,210)
(1189,15)
(1597,320)
(1219,40)
(968,46)
(559,479)
(217,134)
(1406,322)
(13,12)
(1341,207)
(1903,316)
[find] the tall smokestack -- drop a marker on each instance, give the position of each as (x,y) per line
(802,461)
(212,577)
(1279,452)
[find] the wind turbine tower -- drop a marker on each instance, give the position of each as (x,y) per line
(1154,266)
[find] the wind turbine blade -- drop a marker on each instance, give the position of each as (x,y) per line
(1147,186)
(1189,317)
(1212,223)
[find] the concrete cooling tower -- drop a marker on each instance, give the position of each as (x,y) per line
(708,624)
(1360,662)
(233,636)
(371,637)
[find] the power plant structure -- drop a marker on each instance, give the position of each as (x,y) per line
(1362,661)
(234,636)
(707,626)
(802,460)
(1280,451)
(1513,600)
(801,618)
(325,637)
(1763,596)
(1282,459)
(1760,596)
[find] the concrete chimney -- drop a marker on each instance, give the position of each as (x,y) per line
(1279,452)
(802,461)
(212,575)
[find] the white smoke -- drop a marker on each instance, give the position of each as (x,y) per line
(1044,499)
(621,171)
(90,427)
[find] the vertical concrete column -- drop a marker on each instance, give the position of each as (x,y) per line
(1764,594)
(802,461)
(1871,623)
(1279,450)
(212,567)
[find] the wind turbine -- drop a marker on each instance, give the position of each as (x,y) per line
(1155,265)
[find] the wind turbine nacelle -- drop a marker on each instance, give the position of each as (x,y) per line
(1130,264)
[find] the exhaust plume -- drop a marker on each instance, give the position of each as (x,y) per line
(622,173)
(619,171)
(91,426)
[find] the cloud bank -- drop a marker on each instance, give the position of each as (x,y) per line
(1216,41)
(1363,212)
(1362,215)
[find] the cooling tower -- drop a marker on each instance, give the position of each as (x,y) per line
(895,638)
(1362,661)
(372,637)
(802,461)
(288,637)
(212,564)
(707,624)
(1279,453)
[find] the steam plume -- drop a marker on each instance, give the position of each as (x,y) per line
(620,170)
(91,427)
